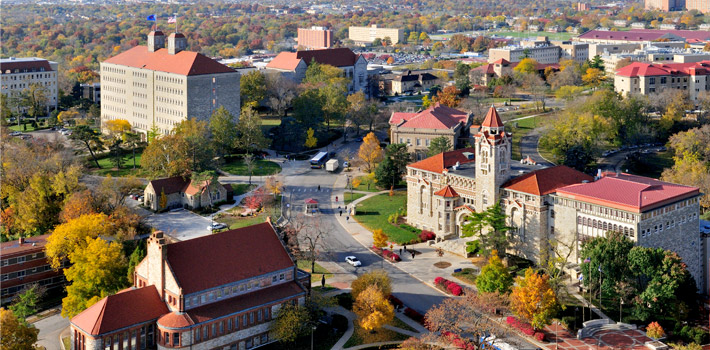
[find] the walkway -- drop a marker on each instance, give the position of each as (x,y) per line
(604,339)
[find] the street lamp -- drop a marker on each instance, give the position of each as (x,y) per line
(557,326)
(313,329)
(621,306)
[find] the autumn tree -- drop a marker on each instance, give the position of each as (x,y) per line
(115,190)
(25,303)
(224,131)
(292,322)
(370,151)
(654,330)
(311,140)
(593,77)
(448,97)
(97,270)
(280,92)
(196,137)
(373,309)
(87,136)
(533,300)
(73,235)
(377,278)
(526,66)
(380,238)
(274,185)
(35,99)
(15,333)
(438,145)
(116,127)
(307,234)
(250,137)
(252,88)
(494,276)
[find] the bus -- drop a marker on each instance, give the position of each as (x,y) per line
(319,160)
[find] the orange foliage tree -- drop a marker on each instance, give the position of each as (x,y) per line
(448,97)
(533,299)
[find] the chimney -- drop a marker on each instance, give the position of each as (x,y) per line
(22,240)
(156,41)
(176,43)
(156,255)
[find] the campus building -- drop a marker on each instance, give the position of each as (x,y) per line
(155,86)
(665,5)
(220,291)
(485,73)
(315,38)
(646,78)
(18,74)
(548,204)
(366,35)
(24,264)
(185,193)
(541,54)
(416,130)
(294,64)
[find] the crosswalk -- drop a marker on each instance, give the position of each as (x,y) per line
(310,189)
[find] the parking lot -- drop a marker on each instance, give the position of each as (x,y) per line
(180,224)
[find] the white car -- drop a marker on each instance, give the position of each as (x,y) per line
(216,226)
(353,261)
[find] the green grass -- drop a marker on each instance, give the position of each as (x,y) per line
(108,167)
(351,197)
(467,275)
(262,168)
(236,221)
(373,212)
(401,325)
(365,183)
(361,336)
(240,189)
(650,164)
(525,126)
(15,127)
(315,276)
(268,123)
(67,342)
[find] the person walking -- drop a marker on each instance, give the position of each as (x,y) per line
(405,247)
(341,212)
(412,254)
(318,188)
(400,251)
(347,219)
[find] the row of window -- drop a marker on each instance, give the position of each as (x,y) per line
(140,85)
(669,224)
(116,109)
(160,88)
(139,115)
(23,273)
(140,75)
(225,292)
(168,79)
(45,282)
(115,89)
(32,76)
(596,209)
(113,98)
(169,101)
(232,324)
(170,111)
(669,208)
(605,226)
(111,79)
(140,95)
(132,340)
(114,70)
(21,259)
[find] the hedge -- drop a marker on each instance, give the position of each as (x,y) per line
(427,236)
(390,255)
(450,286)
(414,315)
(524,327)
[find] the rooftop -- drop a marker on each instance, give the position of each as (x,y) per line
(628,192)
(340,57)
(435,117)
(445,160)
(641,69)
(29,243)
(30,64)
(546,181)
(646,34)
(183,63)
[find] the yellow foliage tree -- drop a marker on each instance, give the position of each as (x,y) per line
(14,333)
(163,200)
(526,65)
(311,141)
(98,270)
(370,151)
(379,238)
(593,77)
(273,185)
(377,278)
(72,235)
(356,182)
(373,309)
(117,126)
(66,116)
(533,299)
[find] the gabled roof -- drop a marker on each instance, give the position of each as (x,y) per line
(435,117)
(444,160)
(183,63)
(447,192)
(31,64)
(398,117)
(229,256)
(546,181)
(127,308)
(170,185)
(492,119)
(14,246)
(628,192)
(642,69)
(340,57)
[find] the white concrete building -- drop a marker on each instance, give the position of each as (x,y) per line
(18,74)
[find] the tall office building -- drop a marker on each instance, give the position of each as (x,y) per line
(18,74)
(366,35)
(153,86)
(315,38)
(666,5)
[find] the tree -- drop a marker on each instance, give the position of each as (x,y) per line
(35,99)
(114,191)
(496,239)
(494,277)
(426,102)
(281,92)
(597,63)
(167,156)
(224,131)
(689,169)
(117,127)
(78,204)
(250,164)
(394,165)
(593,77)
(335,102)
(438,145)
(72,236)
(133,140)
(533,300)
(461,78)
(274,185)
(308,233)
(252,88)
(370,151)
(323,74)
(526,66)
(116,152)
(568,93)
(358,109)
(448,97)
(311,141)
(25,303)
(380,238)
(607,255)
(308,108)
(98,270)
(250,136)
(196,136)
(537,88)
(376,278)
(373,309)
(135,259)
(90,138)
(163,199)
(292,322)
(15,333)
(655,331)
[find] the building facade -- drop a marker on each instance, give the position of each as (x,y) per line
(646,78)
(159,86)
(541,54)
(24,264)
(180,192)
(665,5)
(220,291)
(294,65)
(19,74)
(416,130)
(548,204)
(315,38)
(409,82)
(366,35)
(579,52)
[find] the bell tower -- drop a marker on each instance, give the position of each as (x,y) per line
(156,41)
(493,150)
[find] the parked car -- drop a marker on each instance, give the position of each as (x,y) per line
(216,226)
(15,133)
(353,261)
(346,164)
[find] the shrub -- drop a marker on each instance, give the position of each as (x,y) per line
(439,280)
(395,301)
(414,241)
(426,236)
(455,289)
(569,322)
(520,325)
(345,300)
(539,336)
(395,257)
(410,228)
(414,315)
(654,330)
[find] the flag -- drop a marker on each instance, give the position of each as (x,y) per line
(600,268)
(587,260)
(151,18)
(172,20)
(581,276)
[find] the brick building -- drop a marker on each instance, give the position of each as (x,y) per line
(548,204)
(182,192)
(665,5)
(23,264)
(315,38)
(220,291)
(154,86)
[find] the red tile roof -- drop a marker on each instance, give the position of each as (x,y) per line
(628,192)
(340,57)
(641,69)
(398,117)
(170,185)
(175,320)
(311,201)
(492,119)
(546,181)
(183,63)
(444,160)
(242,302)
(447,192)
(435,117)
(121,310)
(30,243)
(229,256)
(645,34)
(31,65)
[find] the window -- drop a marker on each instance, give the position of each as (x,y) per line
(197,335)
(251,317)
(281,277)
(229,325)
(274,278)
(221,327)
(176,339)
(244,320)
(258,316)
(205,333)
(214,330)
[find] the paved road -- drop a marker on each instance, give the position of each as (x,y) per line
(528,147)
(181,225)
(49,330)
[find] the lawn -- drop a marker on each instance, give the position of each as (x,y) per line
(361,336)
(367,185)
(262,167)
(350,197)
(15,127)
(650,164)
(324,337)
(109,168)
(240,189)
(233,220)
(373,212)
(525,126)
(315,276)
(467,275)
(268,123)
(67,342)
